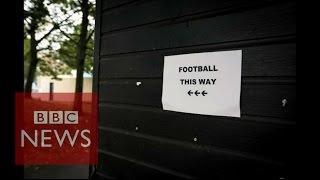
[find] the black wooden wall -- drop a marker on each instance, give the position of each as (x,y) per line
(138,139)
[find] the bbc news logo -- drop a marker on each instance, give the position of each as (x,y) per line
(43,137)
(55,117)
(54,132)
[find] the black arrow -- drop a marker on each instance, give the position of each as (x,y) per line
(197,93)
(204,93)
(190,92)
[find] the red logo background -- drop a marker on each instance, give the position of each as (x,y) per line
(65,154)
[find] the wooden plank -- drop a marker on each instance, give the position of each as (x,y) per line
(260,145)
(253,24)
(108,4)
(158,10)
(267,60)
(256,99)
(116,165)
(191,159)
(251,136)
(97,38)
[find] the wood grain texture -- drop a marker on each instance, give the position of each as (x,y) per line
(96,63)
(115,165)
(256,99)
(264,60)
(253,135)
(159,10)
(108,4)
(190,159)
(138,140)
(252,24)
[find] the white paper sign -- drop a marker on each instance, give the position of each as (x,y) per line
(203,83)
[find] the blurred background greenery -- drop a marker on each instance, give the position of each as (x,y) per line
(58,39)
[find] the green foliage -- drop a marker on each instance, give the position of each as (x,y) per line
(48,66)
(36,14)
(68,51)
(53,62)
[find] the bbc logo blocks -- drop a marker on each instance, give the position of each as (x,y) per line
(55,117)
(56,132)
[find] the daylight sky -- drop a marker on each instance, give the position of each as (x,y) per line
(58,16)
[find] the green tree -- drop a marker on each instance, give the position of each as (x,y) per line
(49,63)
(49,66)
(87,9)
(37,18)
(80,44)
(68,51)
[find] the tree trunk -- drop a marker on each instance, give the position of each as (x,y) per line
(81,53)
(33,62)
